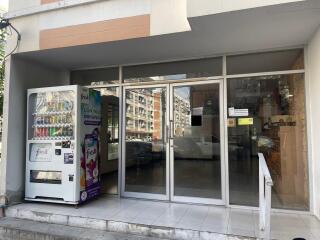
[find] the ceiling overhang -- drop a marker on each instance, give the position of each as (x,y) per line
(258,29)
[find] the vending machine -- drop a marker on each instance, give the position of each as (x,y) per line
(62,152)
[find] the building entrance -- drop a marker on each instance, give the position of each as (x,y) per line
(172,147)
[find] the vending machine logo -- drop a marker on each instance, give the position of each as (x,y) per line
(40,152)
(90,185)
(91,161)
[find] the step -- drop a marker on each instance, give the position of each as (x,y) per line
(118,226)
(19,229)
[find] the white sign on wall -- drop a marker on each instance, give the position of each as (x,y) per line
(233,112)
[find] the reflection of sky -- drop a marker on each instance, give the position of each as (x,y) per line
(183,92)
(169,77)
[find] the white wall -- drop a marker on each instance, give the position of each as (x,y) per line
(169,16)
(99,11)
(166,16)
(313,78)
(205,7)
(22,75)
(22,4)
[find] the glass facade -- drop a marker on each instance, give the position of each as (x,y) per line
(274,124)
(101,76)
(145,142)
(197,151)
(173,70)
(266,62)
(264,114)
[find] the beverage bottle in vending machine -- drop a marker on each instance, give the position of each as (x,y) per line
(54,106)
(46,132)
(65,131)
(59,132)
(48,103)
(65,105)
(54,132)
(70,131)
(50,132)
(68,119)
(61,105)
(38,119)
(64,118)
(46,119)
(53,119)
(40,132)
(58,118)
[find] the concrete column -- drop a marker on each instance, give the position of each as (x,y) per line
(313,85)
(20,75)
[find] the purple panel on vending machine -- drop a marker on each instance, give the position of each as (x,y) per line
(90,137)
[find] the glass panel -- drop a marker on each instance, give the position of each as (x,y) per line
(51,115)
(266,62)
(100,76)
(173,70)
(109,155)
(145,140)
(275,125)
(197,154)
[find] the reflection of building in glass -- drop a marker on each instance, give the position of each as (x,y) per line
(110,91)
(145,117)
(182,115)
(144,114)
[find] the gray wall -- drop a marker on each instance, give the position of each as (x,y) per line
(20,76)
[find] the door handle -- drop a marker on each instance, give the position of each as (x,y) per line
(171,129)
(166,132)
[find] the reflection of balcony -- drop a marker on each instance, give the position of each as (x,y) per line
(130,114)
(137,130)
(129,101)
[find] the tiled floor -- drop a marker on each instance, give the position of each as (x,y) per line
(285,226)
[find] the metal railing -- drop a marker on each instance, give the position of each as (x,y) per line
(265,184)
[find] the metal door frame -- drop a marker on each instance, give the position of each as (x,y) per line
(199,200)
(169,196)
(123,149)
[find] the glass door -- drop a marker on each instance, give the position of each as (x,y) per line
(196,143)
(145,151)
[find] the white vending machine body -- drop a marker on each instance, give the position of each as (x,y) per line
(62,124)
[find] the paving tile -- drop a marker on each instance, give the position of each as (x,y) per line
(290,235)
(169,218)
(311,223)
(191,224)
(216,220)
(241,219)
(241,232)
